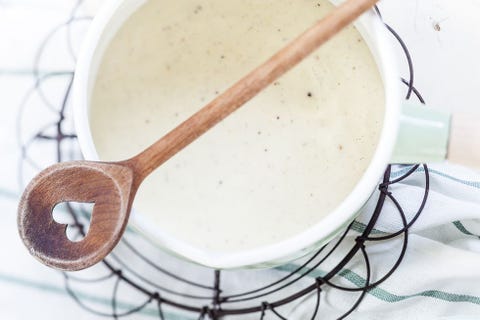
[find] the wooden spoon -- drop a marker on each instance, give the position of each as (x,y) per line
(112,186)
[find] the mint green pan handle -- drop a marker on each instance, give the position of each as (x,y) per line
(427,135)
(423,135)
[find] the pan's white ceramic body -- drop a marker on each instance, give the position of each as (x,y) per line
(102,30)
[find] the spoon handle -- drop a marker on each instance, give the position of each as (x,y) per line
(248,87)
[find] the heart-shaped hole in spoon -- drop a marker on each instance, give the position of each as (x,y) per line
(66,213)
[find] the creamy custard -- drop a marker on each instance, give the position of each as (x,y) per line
(276,166)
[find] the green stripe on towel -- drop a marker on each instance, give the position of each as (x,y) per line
(386,296)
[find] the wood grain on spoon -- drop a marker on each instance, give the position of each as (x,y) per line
(112,186)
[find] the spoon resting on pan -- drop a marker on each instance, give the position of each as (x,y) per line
(112,186)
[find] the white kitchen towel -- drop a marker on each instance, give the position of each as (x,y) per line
(440,273)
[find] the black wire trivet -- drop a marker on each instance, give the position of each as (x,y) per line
(204,298)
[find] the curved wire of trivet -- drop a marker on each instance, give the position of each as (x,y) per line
(216,300)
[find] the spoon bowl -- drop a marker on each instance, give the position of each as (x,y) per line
(107,185)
